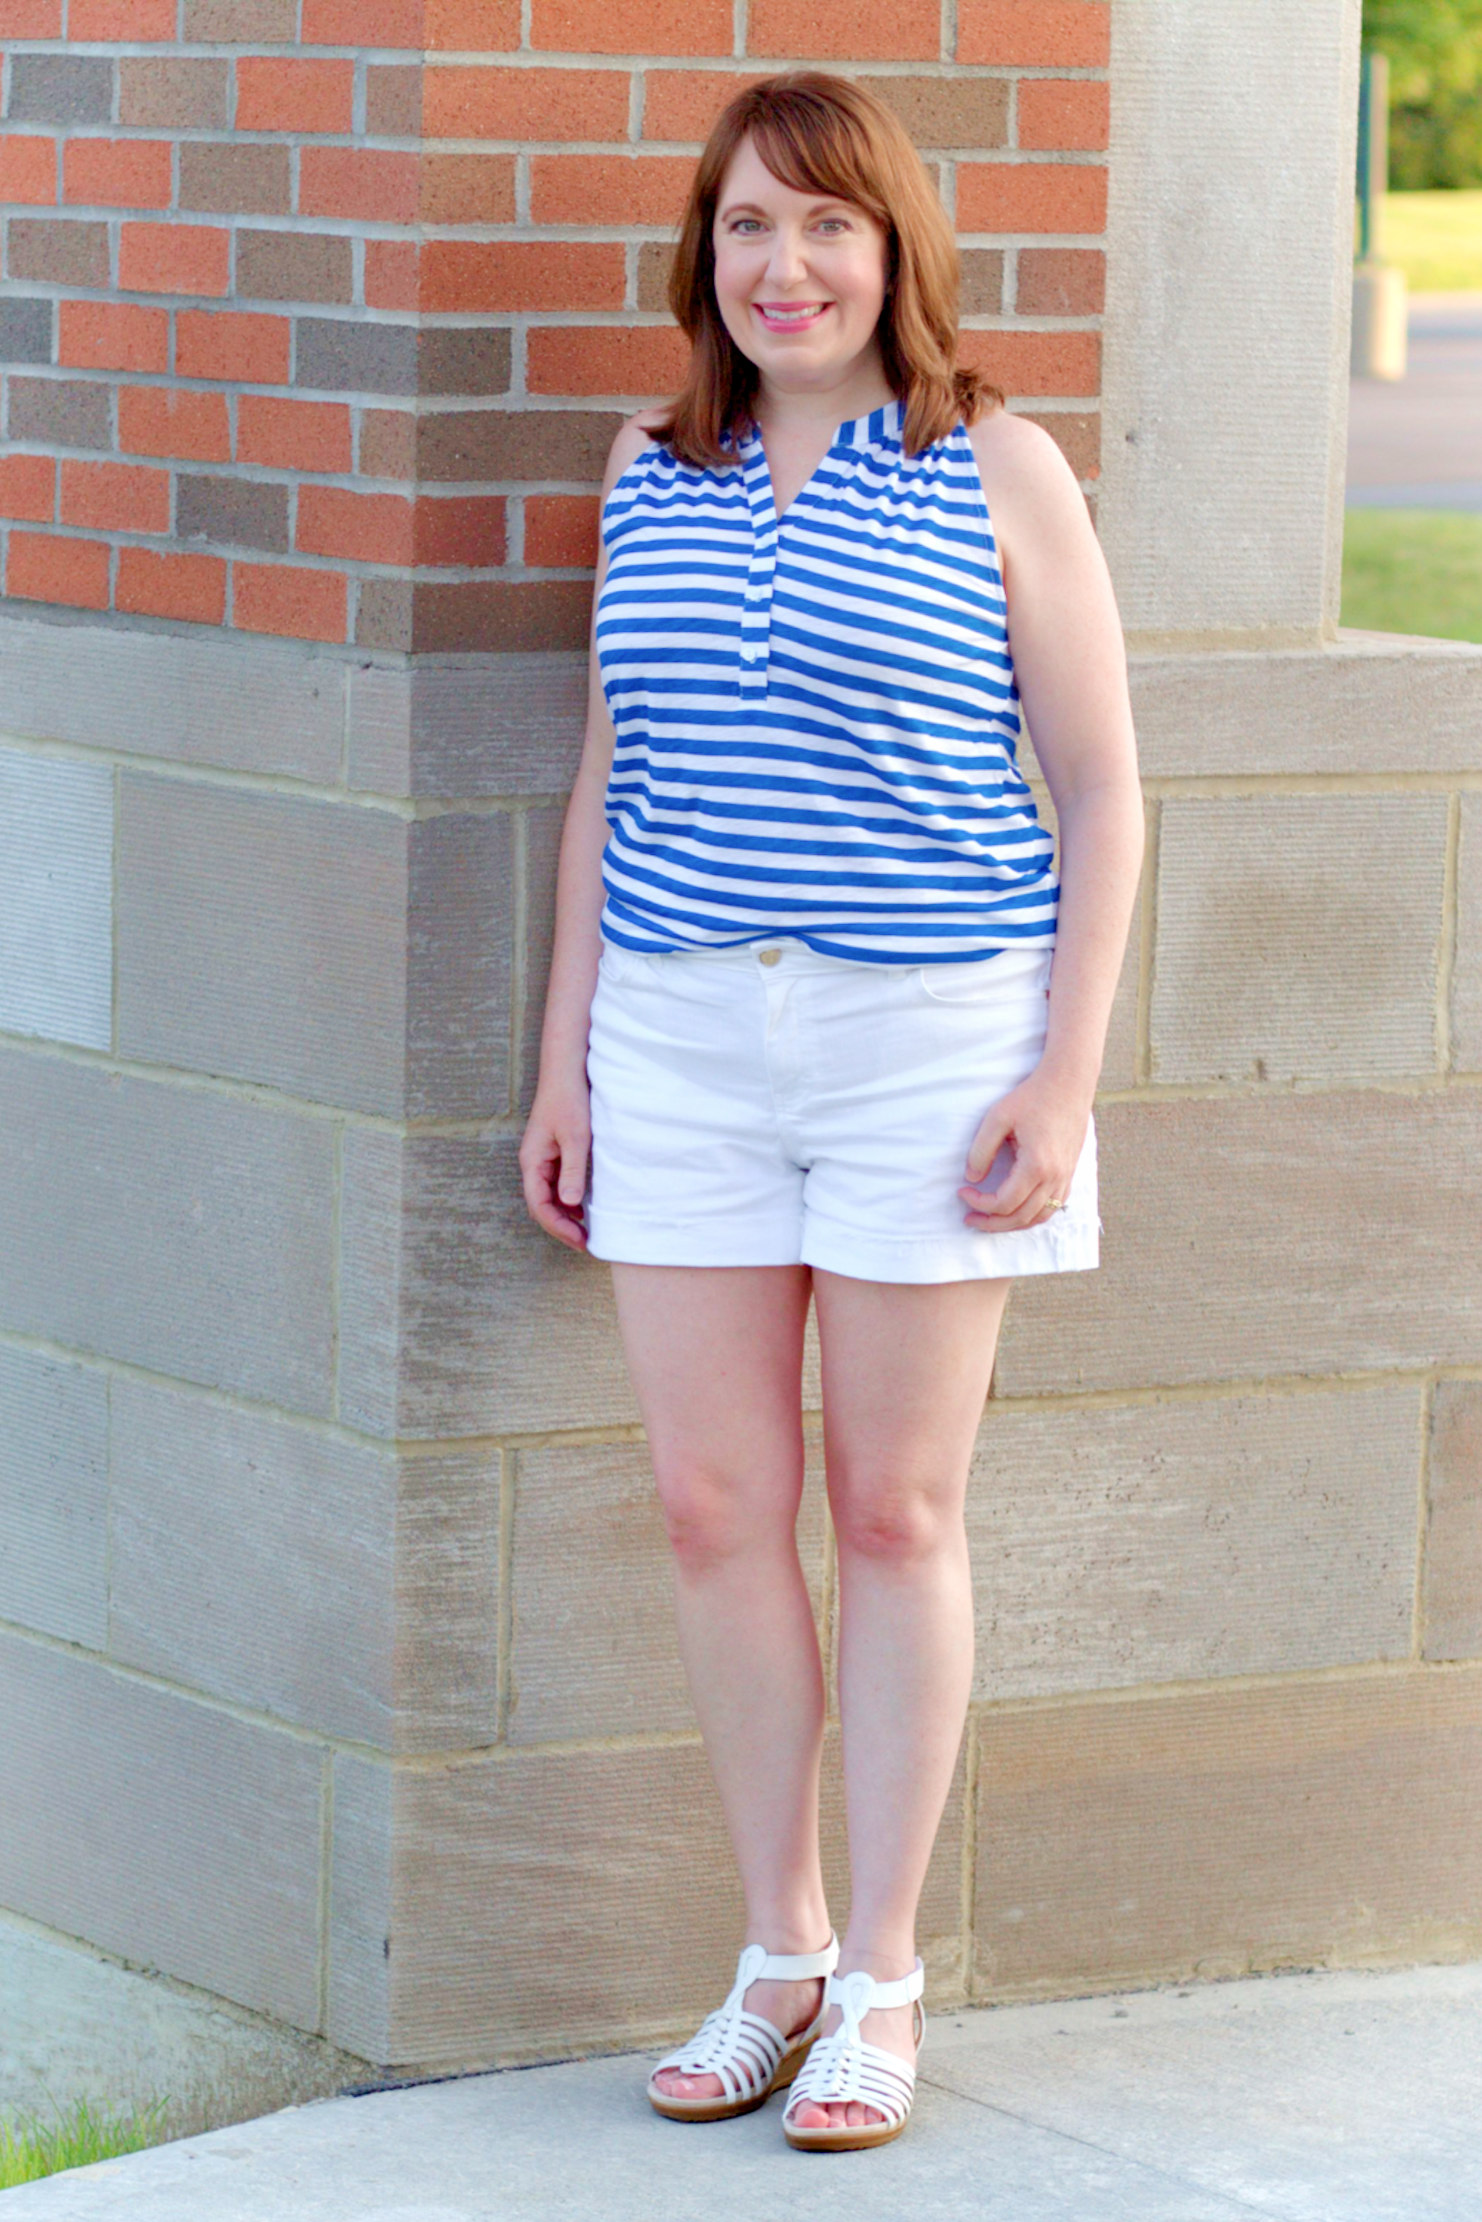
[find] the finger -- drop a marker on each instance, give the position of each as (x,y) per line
(573,1182)
(989,1144)
(1036,1210)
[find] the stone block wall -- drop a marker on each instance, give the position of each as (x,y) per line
(338,1672)
(317,319)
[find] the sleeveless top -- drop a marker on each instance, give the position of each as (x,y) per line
(816,715)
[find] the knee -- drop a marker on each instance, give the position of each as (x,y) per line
(710,1517)
(895,1523)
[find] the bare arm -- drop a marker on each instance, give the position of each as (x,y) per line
(1071,668)
(557,1138)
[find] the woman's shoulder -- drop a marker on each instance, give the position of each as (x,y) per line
(1028,483)
(634,437)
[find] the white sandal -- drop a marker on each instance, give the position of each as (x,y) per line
(750,2055)
(843,2066)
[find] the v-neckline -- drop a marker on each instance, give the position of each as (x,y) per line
(846,435)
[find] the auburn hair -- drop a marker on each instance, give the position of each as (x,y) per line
(823,134)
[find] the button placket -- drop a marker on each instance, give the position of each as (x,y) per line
(761,573)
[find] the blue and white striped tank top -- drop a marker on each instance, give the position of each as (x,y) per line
(816,715)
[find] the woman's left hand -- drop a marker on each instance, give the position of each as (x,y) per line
(1044,1123)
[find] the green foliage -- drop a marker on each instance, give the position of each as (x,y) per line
(1413,571)
(1435,89)
(30,2148)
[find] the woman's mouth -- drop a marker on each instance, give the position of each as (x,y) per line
(789,316)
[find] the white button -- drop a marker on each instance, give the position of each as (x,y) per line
(769,956)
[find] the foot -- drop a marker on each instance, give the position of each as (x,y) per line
(890,2027)
(789,2007)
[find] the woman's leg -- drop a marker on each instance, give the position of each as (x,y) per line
(906,1371)
(716,1355)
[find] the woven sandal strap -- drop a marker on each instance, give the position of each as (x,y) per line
(864,1993)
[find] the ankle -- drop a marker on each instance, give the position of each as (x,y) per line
(886,1959)
(786,1933)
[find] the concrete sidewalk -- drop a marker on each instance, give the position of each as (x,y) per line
(1346,2097)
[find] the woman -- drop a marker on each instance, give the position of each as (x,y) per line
(801,1011)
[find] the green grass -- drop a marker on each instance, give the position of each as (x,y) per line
(1436,238)
(30,2147)
(1413,571)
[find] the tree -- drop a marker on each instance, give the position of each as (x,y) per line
(1435,88)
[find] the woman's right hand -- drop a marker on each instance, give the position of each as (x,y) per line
(553,1159)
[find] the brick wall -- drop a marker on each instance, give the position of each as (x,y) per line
(317,319)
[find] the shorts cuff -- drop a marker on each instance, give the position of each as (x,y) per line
(1055,1248)
(620,1241)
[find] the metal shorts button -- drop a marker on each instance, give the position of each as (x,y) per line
(769,956)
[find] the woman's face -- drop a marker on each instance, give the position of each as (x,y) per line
(799,277)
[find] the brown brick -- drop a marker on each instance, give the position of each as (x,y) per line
(190,92)
(341,354)
(388,443)
(57,251)
(383,614)
(242,180)
(1061,281)
(294,266)
(240,22)
(958,114)
(26,329)
(460,529)
(236,512)
(463,359)
(498,618)
(61,412)
(467,189)
(1077,434)
(393,101)
(485,444)
(654,259)
(1452,1602)
(1228,1831)
(982,281)
(59,88)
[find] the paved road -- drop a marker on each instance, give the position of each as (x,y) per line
(1297,2098)
(1417,443)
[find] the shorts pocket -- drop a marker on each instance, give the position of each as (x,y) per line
(623,967)
(982,979)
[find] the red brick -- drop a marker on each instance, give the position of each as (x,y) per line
(173,420)
(28,488)
(1036,362)
(174,258)
(1040,33)
(189,587)
(43,567)
(285,598)
(225,343)
(459,102)
(1061,281)
(392,273)
(28,171)
(467,189)
(115,497)
(117,173)
(1031,196)
(658,27)
(368,23)
(1064,112)
(113,335)
(371,184)
(135,20)
(282,95)
(561,531)
(841,30)
(600,358)
(30,19)
(591,189)
(293,435)
(487,275)
(365,528)
(682,104)
(473,27)
(459,528)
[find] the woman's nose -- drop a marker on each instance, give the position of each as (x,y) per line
(786,262)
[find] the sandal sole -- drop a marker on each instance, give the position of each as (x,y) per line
(843,2141)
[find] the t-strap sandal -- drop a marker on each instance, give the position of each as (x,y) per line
(750,2055)
(844,2067)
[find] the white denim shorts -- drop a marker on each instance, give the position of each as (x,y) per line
(768,1105)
